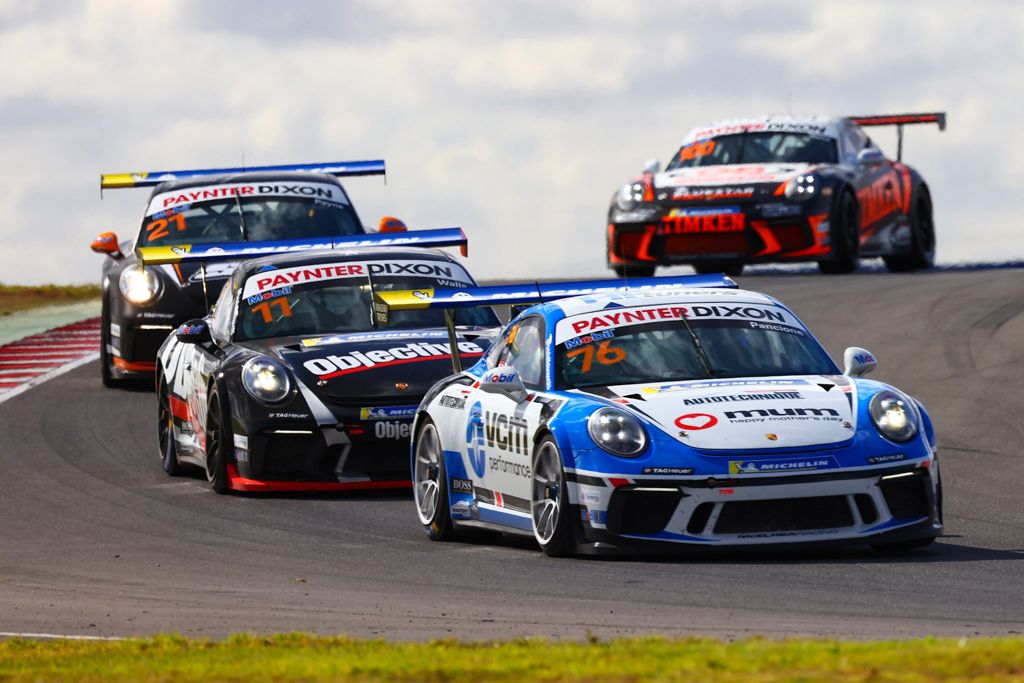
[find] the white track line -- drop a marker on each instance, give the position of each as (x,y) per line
(56,372)
(40,354)
(55,636)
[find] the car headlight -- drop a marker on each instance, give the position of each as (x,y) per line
(802,187)
(630,196)
(139,285)
(617,432)
(265,379)
(895,418)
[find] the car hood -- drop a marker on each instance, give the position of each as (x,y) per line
(388,367)
(728,174)
(756,413)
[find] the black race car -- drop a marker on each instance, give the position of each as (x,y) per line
(776,189)
(289,385)
(142,305)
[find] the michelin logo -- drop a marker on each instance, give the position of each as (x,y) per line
(387,413)
(791,465)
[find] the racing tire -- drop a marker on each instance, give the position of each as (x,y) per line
(845,236)
(634,271)
(732,268)
(922,240)
(549,501)
(165,430)
(106,371)
(218,443)
(430,484)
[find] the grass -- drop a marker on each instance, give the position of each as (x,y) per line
(311,658)
(23,297)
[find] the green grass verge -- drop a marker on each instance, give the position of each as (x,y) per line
(310,658)
(23,297)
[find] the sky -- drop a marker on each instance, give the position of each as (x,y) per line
(516,120)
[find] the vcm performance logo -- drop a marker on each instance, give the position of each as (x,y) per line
(475,439)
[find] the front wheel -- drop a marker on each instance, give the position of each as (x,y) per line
(634,271)
(165,431)
(549,503)
(106,371)
(845,236)
(218,444)
(430,484)
(733,268)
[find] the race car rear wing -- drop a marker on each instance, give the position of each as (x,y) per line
(900,120)
(238,251)
(524,293)
(110,181)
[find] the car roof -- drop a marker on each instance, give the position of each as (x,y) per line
(581,305)
(820,125)
(321,256)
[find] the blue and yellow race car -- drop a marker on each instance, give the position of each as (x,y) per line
(679,413)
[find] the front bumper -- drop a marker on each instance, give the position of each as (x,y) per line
(303,457)
(853,507)
(749,236)
(133,346)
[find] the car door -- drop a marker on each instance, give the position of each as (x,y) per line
(500,425)
(879,187)
(192,365)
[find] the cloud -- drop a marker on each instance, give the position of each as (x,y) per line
(516,120)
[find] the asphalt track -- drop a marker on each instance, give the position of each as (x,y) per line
(96,540)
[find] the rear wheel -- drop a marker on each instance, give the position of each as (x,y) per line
(165,431)
(845,236)
(634,271)
(549,503)
(733,268)
(430,484)
(922,240)
(218,444)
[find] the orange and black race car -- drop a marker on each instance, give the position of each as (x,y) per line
(245,207)
(773,189)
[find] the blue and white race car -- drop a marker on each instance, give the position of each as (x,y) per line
(680,413)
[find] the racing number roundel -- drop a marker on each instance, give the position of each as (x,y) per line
(696,421)
(475,439)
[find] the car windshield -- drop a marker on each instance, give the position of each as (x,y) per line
(335,298)
(248,212)
(756,148)
(666,351)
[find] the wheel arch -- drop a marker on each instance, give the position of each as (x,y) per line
(561,440)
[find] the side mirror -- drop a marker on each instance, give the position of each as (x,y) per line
(106,243)
(504,379)
(869,156)
(858,362)
(195,331)
(652,166)
(391,224)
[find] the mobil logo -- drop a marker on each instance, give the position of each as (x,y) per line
(696,421)
(475,439)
